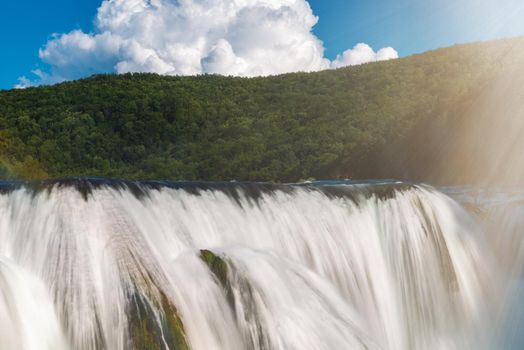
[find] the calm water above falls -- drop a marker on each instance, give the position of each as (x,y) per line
(104,264)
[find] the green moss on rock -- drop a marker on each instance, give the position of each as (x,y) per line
(216,264)
(153,327)
(257,339)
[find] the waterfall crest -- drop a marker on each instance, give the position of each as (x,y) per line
(324,266)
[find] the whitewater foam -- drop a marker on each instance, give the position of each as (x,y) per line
(391,266)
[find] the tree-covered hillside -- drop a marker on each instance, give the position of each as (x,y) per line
(376,120)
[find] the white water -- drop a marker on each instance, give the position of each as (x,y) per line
(502,212)
(27,316)
(306,270)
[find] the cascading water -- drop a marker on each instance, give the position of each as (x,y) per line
(501,210)
(27,317)
(118,265)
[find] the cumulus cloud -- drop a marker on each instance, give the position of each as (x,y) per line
(187,37)
(43,78)
(363,53)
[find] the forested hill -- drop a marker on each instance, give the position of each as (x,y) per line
(387,119)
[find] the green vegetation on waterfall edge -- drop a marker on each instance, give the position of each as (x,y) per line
(368,121)
(250,314)
(216,264)
(145,331)
(219,268)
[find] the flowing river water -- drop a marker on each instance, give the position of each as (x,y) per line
(107,264)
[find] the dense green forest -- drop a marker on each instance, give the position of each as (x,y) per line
(381,119)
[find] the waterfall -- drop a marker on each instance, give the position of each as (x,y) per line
(501,210)
(158,265)
(27,317)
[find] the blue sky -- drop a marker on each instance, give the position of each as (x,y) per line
(414,26)
(408,26)
(25,26)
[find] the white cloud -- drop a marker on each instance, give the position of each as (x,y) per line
(43,78)
(186,37)
(363,53)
